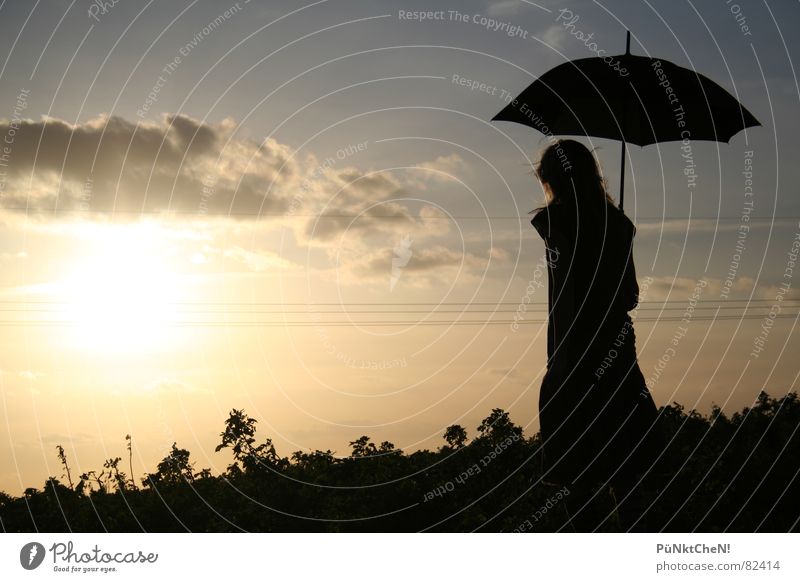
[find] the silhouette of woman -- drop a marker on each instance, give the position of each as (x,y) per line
(595,411)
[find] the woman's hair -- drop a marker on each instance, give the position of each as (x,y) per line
(573,175)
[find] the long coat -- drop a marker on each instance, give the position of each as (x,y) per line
(595,411)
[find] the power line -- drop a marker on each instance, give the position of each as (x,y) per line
(68,323)
(390,304)
(538,308)
(526,216)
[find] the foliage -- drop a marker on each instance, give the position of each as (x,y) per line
(455,436)
(239,435)
(717,473)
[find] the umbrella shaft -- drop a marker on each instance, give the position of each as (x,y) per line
(622,177)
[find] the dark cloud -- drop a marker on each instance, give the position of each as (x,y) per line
(378,220)
(422,260)
(181,165)
(110,164)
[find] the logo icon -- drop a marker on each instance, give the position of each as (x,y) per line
(31,555)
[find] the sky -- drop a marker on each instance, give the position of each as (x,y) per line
(304,211)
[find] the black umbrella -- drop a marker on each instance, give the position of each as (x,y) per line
(634,99)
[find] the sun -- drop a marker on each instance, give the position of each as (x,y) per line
(122,297)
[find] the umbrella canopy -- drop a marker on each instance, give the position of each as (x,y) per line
(634,99)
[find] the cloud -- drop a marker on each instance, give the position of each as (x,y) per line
(78,438)
(773,292)
(682,288)
(498,253)
(422,267)
(368,208)
(434,220)
(504,8)
(678,288)
(444,168)
(19,255)
(553,36)
(442,257)
(259,260)
(173,386)
(109,164)
(30,376)
(510,373)
(73,176)
(654,226)
(352,221)
(179,165)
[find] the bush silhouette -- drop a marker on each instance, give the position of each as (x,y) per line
(716,473)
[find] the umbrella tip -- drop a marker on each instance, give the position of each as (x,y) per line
(628,42)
